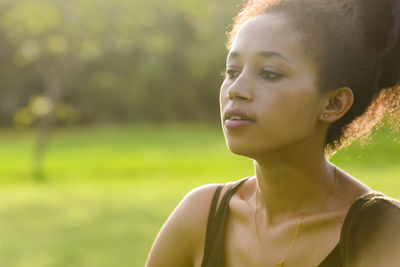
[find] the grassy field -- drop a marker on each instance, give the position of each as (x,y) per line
(109,189)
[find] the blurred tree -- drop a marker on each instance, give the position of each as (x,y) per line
(59,38)
(113,59)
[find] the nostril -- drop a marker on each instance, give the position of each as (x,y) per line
(237,96)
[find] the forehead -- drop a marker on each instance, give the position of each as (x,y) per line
(269,32)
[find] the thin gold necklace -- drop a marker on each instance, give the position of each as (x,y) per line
(281,263)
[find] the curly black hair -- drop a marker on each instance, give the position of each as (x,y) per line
(353,43)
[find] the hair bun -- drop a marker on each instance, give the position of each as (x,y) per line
(381,20)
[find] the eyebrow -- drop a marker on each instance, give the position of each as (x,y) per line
(265,54)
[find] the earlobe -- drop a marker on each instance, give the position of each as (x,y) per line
(338,102)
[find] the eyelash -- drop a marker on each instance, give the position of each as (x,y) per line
(229,74)
(276,76)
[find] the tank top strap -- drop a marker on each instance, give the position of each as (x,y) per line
(216,225)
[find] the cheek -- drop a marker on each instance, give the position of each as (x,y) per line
(223,94)
(300,98)
(302,104)
(293,108)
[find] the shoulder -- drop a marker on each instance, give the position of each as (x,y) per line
(182,235)
(374,207)
(370,232)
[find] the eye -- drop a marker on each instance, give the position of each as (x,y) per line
(231,73)
(270,75)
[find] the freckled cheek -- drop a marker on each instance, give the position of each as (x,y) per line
(291,105)
(304,108)
(276,100)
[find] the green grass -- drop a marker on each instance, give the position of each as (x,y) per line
(109,189)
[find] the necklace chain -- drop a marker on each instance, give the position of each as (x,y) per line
(282,262)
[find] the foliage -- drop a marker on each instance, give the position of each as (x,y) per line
(113,60)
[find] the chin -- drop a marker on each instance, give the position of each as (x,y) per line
(242,149)
(255,150)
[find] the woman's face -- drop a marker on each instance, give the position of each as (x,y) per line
(269,100)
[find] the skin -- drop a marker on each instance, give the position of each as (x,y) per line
(285,138)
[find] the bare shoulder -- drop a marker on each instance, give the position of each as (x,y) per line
(350,189)
(182,235)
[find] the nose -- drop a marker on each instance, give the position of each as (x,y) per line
(240,89)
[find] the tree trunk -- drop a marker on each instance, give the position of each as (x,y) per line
(53,84)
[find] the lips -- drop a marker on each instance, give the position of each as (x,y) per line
(236,114)
(235,118)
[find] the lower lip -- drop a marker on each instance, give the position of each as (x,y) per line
(233,124)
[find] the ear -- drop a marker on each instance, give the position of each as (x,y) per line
(335,104)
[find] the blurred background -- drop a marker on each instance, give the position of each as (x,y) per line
(109,116)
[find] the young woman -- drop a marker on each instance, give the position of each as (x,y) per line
(303,79)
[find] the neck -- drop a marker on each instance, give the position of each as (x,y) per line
(291,187)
